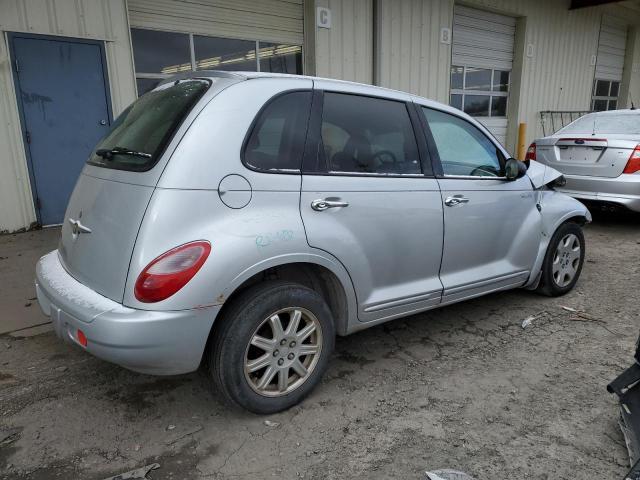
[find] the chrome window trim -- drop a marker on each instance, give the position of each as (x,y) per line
(374,174)
(472,177)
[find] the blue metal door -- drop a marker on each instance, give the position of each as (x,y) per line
(65,109)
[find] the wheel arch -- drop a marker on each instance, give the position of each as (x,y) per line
(578,216)
(322,275)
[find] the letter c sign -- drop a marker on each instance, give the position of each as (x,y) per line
(323,17)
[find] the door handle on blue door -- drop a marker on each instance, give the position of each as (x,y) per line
(321,205)
(455,200)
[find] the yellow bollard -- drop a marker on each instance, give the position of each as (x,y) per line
(522,135)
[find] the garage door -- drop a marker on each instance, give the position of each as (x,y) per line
(172,36)
(481,63)
(609,64)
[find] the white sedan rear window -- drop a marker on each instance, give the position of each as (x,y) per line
(622,124)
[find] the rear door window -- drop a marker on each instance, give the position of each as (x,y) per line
(367,135)
(139,135)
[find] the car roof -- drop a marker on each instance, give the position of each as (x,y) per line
(383,91)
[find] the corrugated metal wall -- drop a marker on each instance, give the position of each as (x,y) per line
(556,75)
(410,56)
(270,20)
(92,19)
(346,50)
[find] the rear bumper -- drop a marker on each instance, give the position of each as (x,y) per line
(623,190)
(154,342)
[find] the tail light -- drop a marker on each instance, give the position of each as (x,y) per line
(82,338)
(171,271)
(531,152)
(633,164)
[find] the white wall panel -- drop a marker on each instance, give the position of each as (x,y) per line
(91,19)
(410,56)
(345,51)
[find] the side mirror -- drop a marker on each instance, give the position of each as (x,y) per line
(514,169)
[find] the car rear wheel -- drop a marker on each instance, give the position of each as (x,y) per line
(563,261)
(271,346)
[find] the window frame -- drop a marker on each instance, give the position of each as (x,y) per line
(192,54)
(314,139)
(607,98)
(484,93)
(435,154)
(254,125)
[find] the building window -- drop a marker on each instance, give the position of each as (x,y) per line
(480,92)
(214,53)
(605,95)
(159,55)
(279,58)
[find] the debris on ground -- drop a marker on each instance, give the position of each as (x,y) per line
(529,320)
(269,423)
(9,435)
(568,309)
(447,474)
(137,473)
(184,435)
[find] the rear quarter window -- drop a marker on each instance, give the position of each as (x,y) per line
(140,134)
(276,141)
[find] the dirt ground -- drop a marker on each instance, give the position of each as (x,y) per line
(464,387)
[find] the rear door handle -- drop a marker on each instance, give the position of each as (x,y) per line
(321,205)
(455,200)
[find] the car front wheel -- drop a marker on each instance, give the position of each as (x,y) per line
(563,261)
(272,346)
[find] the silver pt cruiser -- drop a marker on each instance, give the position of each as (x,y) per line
(242,220)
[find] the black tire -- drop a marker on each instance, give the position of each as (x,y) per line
(548,285)
(237,326)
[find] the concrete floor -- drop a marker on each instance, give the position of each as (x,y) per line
(464,387)
(18,256)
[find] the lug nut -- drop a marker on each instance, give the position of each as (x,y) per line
(283,341)
(292,344)
(281,361)
(290,356)
(276,353)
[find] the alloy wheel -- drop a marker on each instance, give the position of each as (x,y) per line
(283,351)
(566,260)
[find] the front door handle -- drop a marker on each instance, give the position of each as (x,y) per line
(455,200)
(320,205)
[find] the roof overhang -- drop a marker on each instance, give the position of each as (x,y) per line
(575,4)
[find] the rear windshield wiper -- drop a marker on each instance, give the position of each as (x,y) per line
(108,153)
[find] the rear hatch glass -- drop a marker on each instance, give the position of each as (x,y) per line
(597,144)
(140,134)
(103,216)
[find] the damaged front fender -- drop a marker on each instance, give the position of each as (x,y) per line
(541,175)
